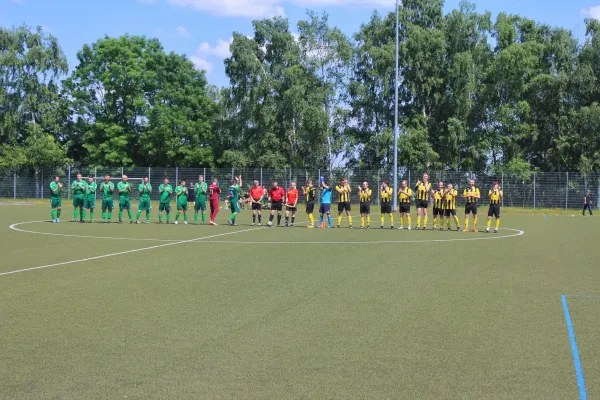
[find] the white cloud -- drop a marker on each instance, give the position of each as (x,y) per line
(202,63)
(593,12)
(220,50)
(181,31)
(235,8)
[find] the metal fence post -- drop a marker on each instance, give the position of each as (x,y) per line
(502,183)
(68,183)
(567,195)
(204,174)
(176,175)
(15,184)
(261,177)
(534,190)
(232,173)
(122,170)
(42,191)
(149,175)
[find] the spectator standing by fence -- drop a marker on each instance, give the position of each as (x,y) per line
(587,203)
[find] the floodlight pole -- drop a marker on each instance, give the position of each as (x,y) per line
(396,117)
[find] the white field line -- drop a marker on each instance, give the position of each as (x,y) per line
(126,252)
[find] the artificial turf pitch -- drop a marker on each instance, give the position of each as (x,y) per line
(247,312)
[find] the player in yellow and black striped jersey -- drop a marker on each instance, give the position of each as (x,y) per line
(438,205)
(422,190)
(450,196)
(311,193)
(386,194)
(471,196)
(364,196)
(495,201)
(344,190)
(404,195)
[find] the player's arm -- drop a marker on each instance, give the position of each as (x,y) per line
(349,188)
(477,194)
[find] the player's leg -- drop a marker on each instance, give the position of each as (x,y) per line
(293,215)
(349,214)
(178,213)
(382,216)
(287,216)
(425,216)
(339,217)
(185,214)
(497,212)
(391,214)
(419,211)
(489,219)
(279,209)
(272,215)
(196,210)
(328,209)
(474,212)
(259,211)
(203,211)
(58,209)
(111,206)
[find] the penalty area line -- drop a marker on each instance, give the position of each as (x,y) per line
(126,252)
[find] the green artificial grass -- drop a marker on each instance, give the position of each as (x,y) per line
(248,312)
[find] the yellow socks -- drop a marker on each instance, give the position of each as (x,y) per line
(434,222)
(350,220)
(368,220)
(311,219)
(339,220)
(382,219)
(418,221)
(497,223)
(456,220)
(467,223)
(392,219)
(489,222)
(475,221)
(425,221)
(409,220)
(401,221)
(362,221)
(448,222)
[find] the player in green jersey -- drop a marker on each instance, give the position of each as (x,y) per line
(124,189)
(90,198)
(201,193)
(78,189)
(182,205)
(145,189)
(55,200)
(165,191)
(107,188)
(234,199)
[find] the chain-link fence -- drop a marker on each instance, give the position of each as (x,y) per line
(537,190)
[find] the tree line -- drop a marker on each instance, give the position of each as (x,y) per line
(511,95)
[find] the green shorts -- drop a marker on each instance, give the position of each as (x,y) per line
(108,204)
(91,204)
(77,202)
(55,203)
(182,206)
(200,205)
(124,204)
(144,205)
(164,207)
(234,206)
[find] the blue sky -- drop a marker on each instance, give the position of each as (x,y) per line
(202,29)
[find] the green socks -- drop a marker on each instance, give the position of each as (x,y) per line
(130,215)
(103,215)
(75,213)
(168,217)
(109,215)
(203,216)
(91,215)
(177,216)
(82,215)
(58,213)
(120,215)
(185,217)
(196,218)
(137,216)
(53,215)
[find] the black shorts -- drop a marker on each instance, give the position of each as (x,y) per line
(494,210)
(310,207)
(405,207)
(422,203)
(386,208)
(438,211)
(291,208)
(448,213)
(276,205)
(256,206)
(344,205)
(471,208)
(365,208)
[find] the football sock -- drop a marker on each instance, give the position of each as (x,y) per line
(185,217)
(293,219)
(287,219)
(137,216)
(58,213)
(489,222)
(382,219)
(321,219)
(457,221)
(425,221)
(253,218)
(196,217)
(271,218)
(368,220)
(147,216)
(475,221)
(362,221)
(160,217)
(401,221)
(75,213)
(109,215)
(103,215)
(339,220)
(278,219)
(329,220)
(418,221)
(82,215)
(91,215)
(467,223)
(53,214)
(177,216)
(408,220)
(203,217)
(259,219)
(497,223)
(168,217)
(391,219)
(350,220)
(311,218)
(448,222)
(130,214)
(120,215)
(434,222)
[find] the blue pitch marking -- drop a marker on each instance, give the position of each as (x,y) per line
(574,350)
